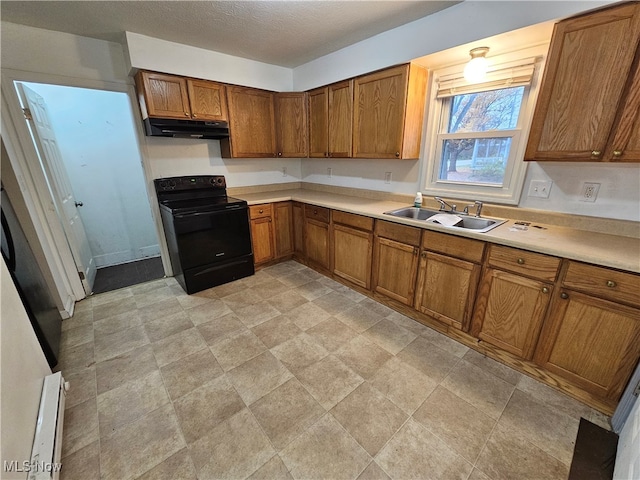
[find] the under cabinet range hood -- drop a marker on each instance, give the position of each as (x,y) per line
(167,127)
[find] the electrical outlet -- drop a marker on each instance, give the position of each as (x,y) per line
(540,188)
(387,177)
(329,172)
(284,171)
(589,192)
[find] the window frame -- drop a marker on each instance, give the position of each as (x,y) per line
(437,123)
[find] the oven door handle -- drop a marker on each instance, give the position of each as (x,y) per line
(214,212)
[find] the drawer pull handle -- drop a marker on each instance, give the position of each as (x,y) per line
(564,295)
(611,284)
(521,261)
(545,290)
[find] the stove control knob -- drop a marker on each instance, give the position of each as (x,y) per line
(172,184)
(163,184)
(220,180)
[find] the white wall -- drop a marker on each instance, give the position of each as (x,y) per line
(456,25)
(97,141)
(180,156)
(23,367)
(148,53)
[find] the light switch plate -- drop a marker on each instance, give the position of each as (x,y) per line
(540,188)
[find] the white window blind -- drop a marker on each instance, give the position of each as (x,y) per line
(512,74)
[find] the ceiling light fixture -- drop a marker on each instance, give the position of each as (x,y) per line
(476,69)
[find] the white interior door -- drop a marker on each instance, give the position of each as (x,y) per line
(628,455)
(47,146)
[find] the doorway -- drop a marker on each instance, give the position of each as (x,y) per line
(89,153)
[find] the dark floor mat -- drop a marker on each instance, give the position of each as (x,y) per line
(595,453)
(127,274)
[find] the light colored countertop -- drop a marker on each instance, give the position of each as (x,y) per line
(591,247)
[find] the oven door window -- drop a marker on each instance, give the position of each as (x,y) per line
(210,237)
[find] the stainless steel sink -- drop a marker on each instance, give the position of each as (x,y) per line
(468,222)
(413,213)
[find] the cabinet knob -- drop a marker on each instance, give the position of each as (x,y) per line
(279,154)
(315,212)
(423,254)
(270,220)
(545,290)
(617,153)
(397,154)
(186,114)
(521,261)
(260,211)
(611,284)
(595,153)
(564,295)
(194,115)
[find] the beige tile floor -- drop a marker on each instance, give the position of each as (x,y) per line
(288,374)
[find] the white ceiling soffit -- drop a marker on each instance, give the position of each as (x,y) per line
(288,33)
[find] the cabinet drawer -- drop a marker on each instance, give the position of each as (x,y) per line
(259,211)
(603,282)
(352,220)
(317,213)
(459,247)
(399,233)
(529,264)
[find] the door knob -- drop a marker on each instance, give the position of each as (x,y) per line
(79,204)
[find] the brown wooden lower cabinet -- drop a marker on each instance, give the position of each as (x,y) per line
(316,236)
(593,343)
(447,288)
(298,228)
(448,278)
(262,239)
(510,311)
(395,261)
(353,248)
(283,219)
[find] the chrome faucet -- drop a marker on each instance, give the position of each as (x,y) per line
(444,205)
(476,204)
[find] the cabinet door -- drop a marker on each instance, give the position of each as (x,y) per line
(283,231)
(447,289)
(251,124)
(591,342)
(510,311)
(379,114)
(208,100)
(352,255)
(319,122)
(589,62)
(317,242)
(262,240)
(298,229)
(340,118)
(625,143)
(164,96)
(395,269)
(291,124)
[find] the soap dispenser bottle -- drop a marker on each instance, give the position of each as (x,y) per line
(417,202)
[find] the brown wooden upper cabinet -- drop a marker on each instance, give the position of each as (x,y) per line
(171,96)
(588,108)
(330,118)
(389,111)
(291,124)
(251,124)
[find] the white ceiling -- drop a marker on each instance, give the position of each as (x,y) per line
(286,33)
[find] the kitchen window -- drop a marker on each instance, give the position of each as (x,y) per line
(478,134)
